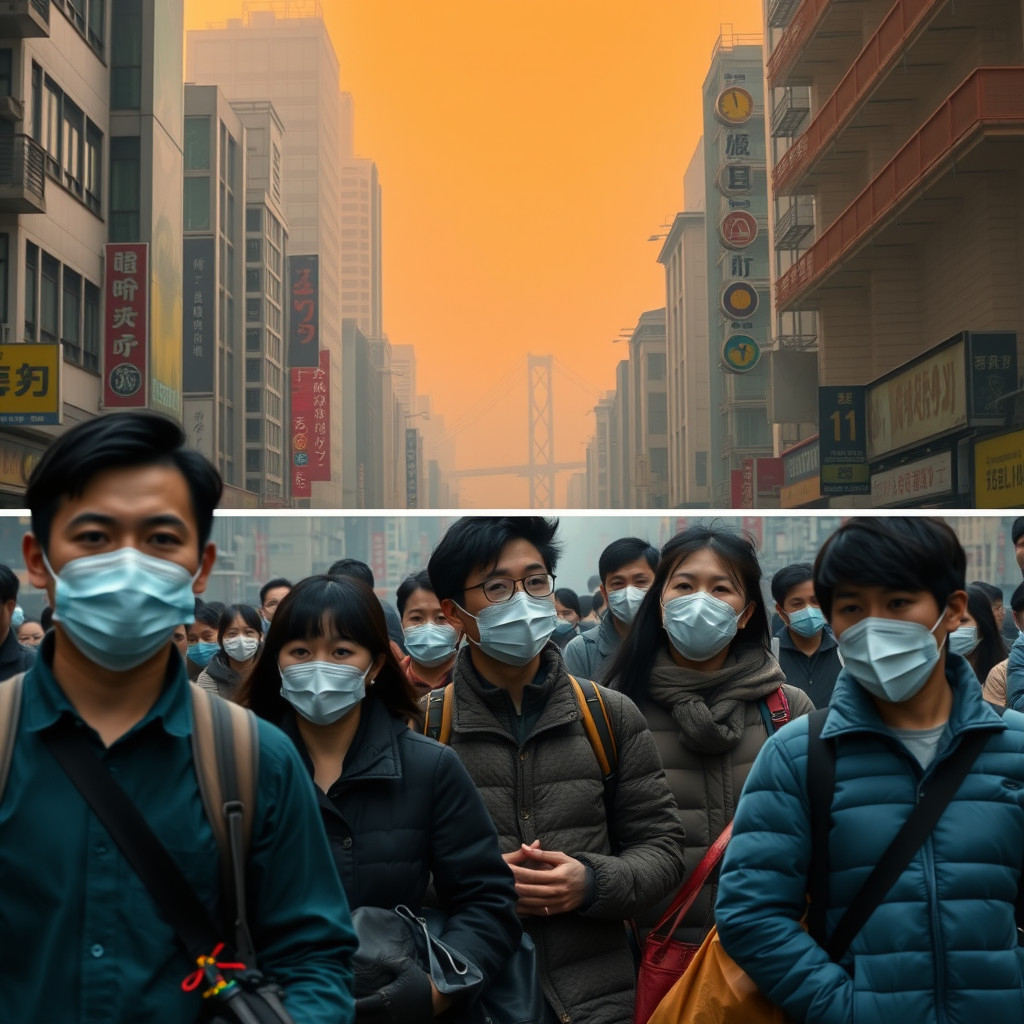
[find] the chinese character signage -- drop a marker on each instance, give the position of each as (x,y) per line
(999,472)
(30,385)
(412,471)
(198,324)
(125,325)
(993,375)
(918,481)
(301,432)
(320,451)
(842,440)
(304,311)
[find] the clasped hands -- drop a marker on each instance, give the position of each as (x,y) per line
(547,881)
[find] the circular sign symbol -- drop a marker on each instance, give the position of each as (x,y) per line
(739,300)
(300,459)
(740,353)
(738,229)
(125,380)
(299,442)
(734,105)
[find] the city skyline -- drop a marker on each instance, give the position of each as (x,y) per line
(516,212)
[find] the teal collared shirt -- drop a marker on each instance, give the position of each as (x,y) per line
(81,940)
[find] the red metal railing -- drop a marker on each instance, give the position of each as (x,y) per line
(989,97)
(879,54)
(795,38)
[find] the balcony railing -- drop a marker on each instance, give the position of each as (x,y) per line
(989,98)
(24,19)
(795,224)
(780,13)
(22,178)
(791,111)
(802,26)
(882,50)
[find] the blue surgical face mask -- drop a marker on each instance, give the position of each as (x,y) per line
(266,624)
(17,617)
(699,625)
(890,658)
(200,653)
(807,621)
(120,607)
(322,691)
(563,627)
(964,640)
(241,648)
(430,643)
(625,603)
(515,631)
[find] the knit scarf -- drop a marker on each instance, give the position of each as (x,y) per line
(710,707)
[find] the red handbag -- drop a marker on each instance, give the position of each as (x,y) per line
(664,959)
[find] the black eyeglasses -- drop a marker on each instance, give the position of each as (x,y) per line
(501,588)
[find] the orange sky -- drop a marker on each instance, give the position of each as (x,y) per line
(527,149)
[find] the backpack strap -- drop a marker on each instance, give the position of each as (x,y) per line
(774,710)
(10,712)
(437,716)
(225,751)
(598,725)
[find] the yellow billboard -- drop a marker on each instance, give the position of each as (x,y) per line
(30,385)
(999,471)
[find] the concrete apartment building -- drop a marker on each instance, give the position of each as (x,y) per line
(90,121)
(684,257)
(283,53)
(361,246)
(907,123)
(648,390)
(737,268)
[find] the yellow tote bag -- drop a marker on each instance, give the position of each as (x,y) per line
(714,989)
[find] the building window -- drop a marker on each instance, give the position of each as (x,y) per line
(657,413)
(253,431)
(49,299)
(254,279)
(253,250)
(253,371)
(74,124)
(91,328)
(125,192)
(197,143)
(37,103)
(6,59)
(254,219)
(252,399)
(253,310)
(52,127)
(71,312)
(700,469)
(96,23)
(656,366)
(126,55)
(253,460)
(93,166)
(197,203)
(252,339)
(31,287)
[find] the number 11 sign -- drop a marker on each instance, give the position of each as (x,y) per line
(842,440)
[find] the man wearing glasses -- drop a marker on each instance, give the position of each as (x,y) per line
(586,856)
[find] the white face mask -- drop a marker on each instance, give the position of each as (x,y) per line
(699,625)
(323,691)
(515,631)
(241,648)
(625,603)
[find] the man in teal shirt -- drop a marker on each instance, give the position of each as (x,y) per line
(121,519)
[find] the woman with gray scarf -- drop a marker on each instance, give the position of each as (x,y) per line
(697,663)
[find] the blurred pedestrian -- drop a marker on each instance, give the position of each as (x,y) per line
(239,634)
(429,638)
(567,608)
(14,656)
(272,593)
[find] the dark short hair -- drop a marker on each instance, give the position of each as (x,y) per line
(46,617)
(623,551)
(1017,530)
(568,597)
(898,552)
(208,613)
(788,577)
(8,584)
(476,542)
(356,614)
(249,615)
(596,601)
(631,670)
(354,569)
(273,585)
(1017,599)
(413,582)
(593,582)
(990,590)
(119,440)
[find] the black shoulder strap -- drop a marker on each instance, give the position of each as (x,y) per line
(146,855)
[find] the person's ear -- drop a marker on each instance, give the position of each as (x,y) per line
(956,605)
(38,575)
(745,615)
(781,614)
(453,614)
(205,568)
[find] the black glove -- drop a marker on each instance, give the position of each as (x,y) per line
(406,1000)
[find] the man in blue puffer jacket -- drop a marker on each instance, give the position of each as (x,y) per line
(942,947)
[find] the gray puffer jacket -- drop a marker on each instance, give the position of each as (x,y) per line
(550,788)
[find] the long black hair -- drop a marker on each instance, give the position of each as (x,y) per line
(353,610)
(990,650)
(630,672)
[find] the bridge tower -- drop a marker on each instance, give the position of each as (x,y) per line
(542,432)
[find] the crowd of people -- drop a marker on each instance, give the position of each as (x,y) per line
(532,772)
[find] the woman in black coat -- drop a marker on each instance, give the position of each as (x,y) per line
(400,810)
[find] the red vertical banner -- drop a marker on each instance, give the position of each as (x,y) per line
(747,484)
(754,525)
(302,436)
(320,450)
(378,556)
(261,566)
(681,524)
(735,488)
(125,325)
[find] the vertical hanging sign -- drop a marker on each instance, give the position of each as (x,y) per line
(125,325)
(301,432)
(320,448)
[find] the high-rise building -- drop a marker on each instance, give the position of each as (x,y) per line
(684,256)
(214,254)
(90,133)
(361,246)
(266,251)
(739,321)
(283,53)
(903,130)
(648,464)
